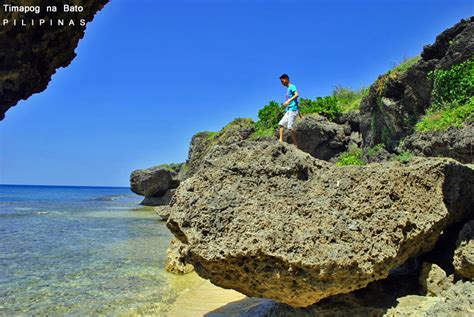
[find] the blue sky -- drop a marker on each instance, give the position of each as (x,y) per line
(150,74)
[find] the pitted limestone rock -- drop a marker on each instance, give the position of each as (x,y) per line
(464,254)
(271,221)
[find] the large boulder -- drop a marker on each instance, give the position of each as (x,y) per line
(30,54)
(464,254)
(456,143)
(157,183)
(152,181)
(400,97)
(320,137)
(271,221)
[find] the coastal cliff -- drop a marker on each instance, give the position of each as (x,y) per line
(277,222)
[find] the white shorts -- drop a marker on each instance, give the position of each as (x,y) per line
(289,119)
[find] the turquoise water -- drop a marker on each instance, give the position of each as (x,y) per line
(81,251)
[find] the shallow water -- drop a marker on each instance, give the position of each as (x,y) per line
(82,251)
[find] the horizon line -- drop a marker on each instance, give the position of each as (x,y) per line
(37,185)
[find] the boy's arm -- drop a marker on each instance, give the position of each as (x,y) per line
(296,95)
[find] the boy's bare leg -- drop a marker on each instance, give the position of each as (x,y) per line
(281,133)
(294,138)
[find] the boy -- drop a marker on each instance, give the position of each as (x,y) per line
(292,109)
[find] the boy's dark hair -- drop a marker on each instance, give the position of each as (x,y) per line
(284,76)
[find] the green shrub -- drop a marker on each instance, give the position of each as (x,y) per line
(325,106)
(403,157)
(351,157)
(454,85)
(348,99)
(394,73)
(269,116)
(453,98)
(405,64)
(442,119)
(373,151)
(262,133)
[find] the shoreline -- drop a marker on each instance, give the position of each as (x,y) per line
(202,298)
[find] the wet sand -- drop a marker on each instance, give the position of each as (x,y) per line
(201,298)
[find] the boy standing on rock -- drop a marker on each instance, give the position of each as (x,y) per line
(292,109)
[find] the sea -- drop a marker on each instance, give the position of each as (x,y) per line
(82,251)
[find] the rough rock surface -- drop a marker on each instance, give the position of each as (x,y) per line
(270,221)
(320,137)
(458,301)
(374,300)
(464,254)
(163,212)
(433,280)
(157,183)
(397,100)
(202,142)
(457,143)
(175,262)
(152,181)
(160,200)
(30,55)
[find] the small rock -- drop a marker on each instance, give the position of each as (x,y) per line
(464,254)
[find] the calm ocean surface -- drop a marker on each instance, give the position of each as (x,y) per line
(81,251)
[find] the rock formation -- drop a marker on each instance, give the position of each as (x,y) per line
(271,221)
(322,138)
(464,254)
(398,99)
(30,55)
(175,258)
(457,143)
(202,142)
(157,183)
(457,301)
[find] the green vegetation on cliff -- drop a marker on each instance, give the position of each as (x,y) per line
(395,72)
(342,100)
(453,98)
(326,106)
(268,118)
(348,99)
(351,157)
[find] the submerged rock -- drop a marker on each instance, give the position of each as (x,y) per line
(270,221)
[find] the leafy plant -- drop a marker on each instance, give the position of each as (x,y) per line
(351,157)
(325,106)
(373,151)
(269,116)
(453,98)
(440,120)
(454,85)
(403,157)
